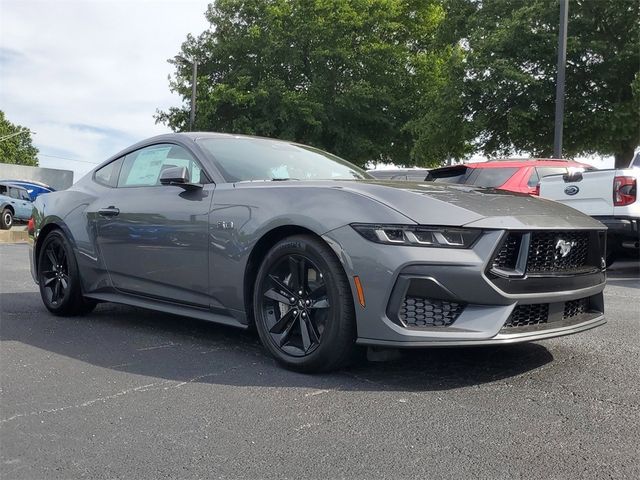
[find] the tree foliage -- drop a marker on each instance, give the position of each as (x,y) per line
(358,77)
(511,75)
(416,81)
(16,149)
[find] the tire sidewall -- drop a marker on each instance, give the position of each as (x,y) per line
(72,271)
(7,215)
(322,354)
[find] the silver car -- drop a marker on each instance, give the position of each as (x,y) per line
(314,253)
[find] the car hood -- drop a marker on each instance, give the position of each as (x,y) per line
(457,205)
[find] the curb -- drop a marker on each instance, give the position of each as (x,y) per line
(14,236)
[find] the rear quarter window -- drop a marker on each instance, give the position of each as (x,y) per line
(449,175)
(546,171)
(491,177)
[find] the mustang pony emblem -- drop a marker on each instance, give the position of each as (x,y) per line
(563,247)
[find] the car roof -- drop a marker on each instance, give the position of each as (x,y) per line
(13,185)
(524,162)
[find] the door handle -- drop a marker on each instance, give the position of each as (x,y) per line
(109,211)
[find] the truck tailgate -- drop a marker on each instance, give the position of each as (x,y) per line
(592,195)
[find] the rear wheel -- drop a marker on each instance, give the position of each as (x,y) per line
(59,279)
(6,221)
(303,306)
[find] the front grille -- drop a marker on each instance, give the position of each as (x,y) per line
(575,308)
(427,312)
(546,256)
(507,256)
(526,315)
(547,253)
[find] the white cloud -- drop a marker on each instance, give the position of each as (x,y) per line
(87,76)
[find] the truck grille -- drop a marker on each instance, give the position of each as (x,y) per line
(427,312)
(546,252)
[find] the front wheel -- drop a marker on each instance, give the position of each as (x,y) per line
(59,279)
(6,220)
(303,306)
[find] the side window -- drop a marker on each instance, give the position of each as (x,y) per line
(546,171)
(3,189)
(108,175)
(492,177)
(24,195)
(142,168)
(534,178)
(14,193)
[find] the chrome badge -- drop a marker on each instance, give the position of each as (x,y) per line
(563,247)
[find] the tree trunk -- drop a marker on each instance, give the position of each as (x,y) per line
(624,156)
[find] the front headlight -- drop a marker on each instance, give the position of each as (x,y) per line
(419,236)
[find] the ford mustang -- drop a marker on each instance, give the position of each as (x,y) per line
(313,252)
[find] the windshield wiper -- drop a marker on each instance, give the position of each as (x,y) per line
(283,179)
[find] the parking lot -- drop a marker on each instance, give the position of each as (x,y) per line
(135,394)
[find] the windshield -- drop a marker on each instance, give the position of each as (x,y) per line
(448,175)
(242,159)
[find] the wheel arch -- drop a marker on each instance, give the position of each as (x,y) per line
(259,251)
(10,207)
(44,231)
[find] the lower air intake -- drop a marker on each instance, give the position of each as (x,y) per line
(575,308)
(427,312)
(526,315)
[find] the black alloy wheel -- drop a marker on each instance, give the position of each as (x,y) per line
(303,305)
(55,273)
(296,305)
(58,277)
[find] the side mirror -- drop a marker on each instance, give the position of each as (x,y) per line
(178,176)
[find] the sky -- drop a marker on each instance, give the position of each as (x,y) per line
(88,75)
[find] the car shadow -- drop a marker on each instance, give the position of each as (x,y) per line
(624,273)
(185,350)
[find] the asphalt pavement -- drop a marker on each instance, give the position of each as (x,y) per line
(128,393)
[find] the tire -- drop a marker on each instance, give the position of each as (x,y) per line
(59,279)
(6,221)
(307,325)
(610,259)
(611,255)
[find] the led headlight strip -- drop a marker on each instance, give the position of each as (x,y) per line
(417,235)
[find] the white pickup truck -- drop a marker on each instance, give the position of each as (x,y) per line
(610,196)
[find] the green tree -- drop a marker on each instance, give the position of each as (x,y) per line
(365,79)
(509,87)
(16,149)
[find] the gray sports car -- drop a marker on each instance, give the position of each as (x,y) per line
(317,255)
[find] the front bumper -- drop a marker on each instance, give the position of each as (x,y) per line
(389,273)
